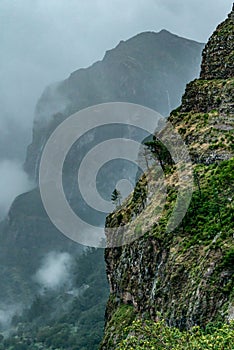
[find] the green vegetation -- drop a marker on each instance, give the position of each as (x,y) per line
(161,152)
(130,331)
(148,335)
(211,210)
(200,253)
(211,133)
(61,321)
(116,197)
(119,325)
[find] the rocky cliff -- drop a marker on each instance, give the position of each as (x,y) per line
(184,277)
(218,56)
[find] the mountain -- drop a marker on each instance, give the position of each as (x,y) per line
(165,283)
(150,69)
(127,71)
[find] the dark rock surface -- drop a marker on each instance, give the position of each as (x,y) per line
(218,55)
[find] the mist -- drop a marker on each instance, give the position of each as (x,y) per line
(55,271)
(13,182)
(7,312)
(42,42)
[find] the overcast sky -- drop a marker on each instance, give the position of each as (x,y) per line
(43,41)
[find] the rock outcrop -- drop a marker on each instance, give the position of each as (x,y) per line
(218,56)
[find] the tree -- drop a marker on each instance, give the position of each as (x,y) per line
(160,151)
(197,181)
(116,197)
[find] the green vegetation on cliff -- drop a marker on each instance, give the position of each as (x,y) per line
(176,289)
(148,335)
(65,319)
(194,264)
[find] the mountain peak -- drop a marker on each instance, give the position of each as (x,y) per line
(164,31)
(151,41)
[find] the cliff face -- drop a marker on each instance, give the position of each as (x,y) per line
(218,56)
(184,277)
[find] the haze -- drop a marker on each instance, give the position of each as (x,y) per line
(43,41)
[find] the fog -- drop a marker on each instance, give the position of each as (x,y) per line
(7,312)
(55,271)
(44,41)
(13,181)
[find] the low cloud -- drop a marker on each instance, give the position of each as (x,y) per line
(13,182)
(55,271)
(7,312)
(44,41)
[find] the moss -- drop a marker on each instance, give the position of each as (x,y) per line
(228,259)
(115,328)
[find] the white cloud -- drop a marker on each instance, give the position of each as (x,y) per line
(6,314)
(55,271)
(13,181)
(44,41)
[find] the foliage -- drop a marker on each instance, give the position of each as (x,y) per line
(118,325)
(211,209)
(58,320)
(160,151)
(116,197)
(146,335)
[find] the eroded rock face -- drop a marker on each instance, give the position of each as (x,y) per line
(218,55)
(207,95)
(159,279)
(207,106)
(185,277)
(217,68)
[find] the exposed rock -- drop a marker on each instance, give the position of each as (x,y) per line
(207,95)
(218,55)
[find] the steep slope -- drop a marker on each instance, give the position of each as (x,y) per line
(184,277)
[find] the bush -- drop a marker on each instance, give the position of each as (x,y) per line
(158,336)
